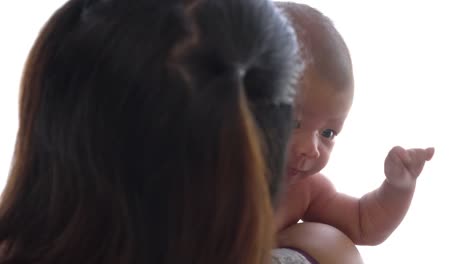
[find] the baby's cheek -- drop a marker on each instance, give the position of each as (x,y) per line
(290,154)
(293,142)
(320,165)
(325,153)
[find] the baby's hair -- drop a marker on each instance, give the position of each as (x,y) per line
(143,134)
(321,45)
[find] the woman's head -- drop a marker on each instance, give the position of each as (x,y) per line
(144,127)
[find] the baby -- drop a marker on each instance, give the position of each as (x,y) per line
(324,99)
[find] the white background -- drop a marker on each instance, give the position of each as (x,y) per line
(410,61)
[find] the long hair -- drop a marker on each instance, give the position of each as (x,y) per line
(146,134)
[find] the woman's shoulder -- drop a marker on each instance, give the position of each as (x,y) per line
(324,242)
(291,256)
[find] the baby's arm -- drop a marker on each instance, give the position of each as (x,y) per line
(372,218)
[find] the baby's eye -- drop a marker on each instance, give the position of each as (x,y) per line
(329,133)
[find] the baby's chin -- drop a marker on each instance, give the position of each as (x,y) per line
(293,176)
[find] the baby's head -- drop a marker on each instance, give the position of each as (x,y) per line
(325,90)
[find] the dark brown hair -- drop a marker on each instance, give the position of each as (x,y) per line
(146,134)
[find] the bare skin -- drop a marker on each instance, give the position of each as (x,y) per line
(325,243)
(321,112)
(334,222)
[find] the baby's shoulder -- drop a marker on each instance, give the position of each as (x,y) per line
(317,182)
(313,186)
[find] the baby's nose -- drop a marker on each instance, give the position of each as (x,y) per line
(314,152)
(309,148)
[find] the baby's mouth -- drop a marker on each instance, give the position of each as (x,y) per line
(293,173)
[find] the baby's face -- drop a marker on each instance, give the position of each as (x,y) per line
(321,111)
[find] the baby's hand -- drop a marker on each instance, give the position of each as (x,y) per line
(402,167)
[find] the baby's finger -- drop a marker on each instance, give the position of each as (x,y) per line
(418,156)
(429,153)
(402,154)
